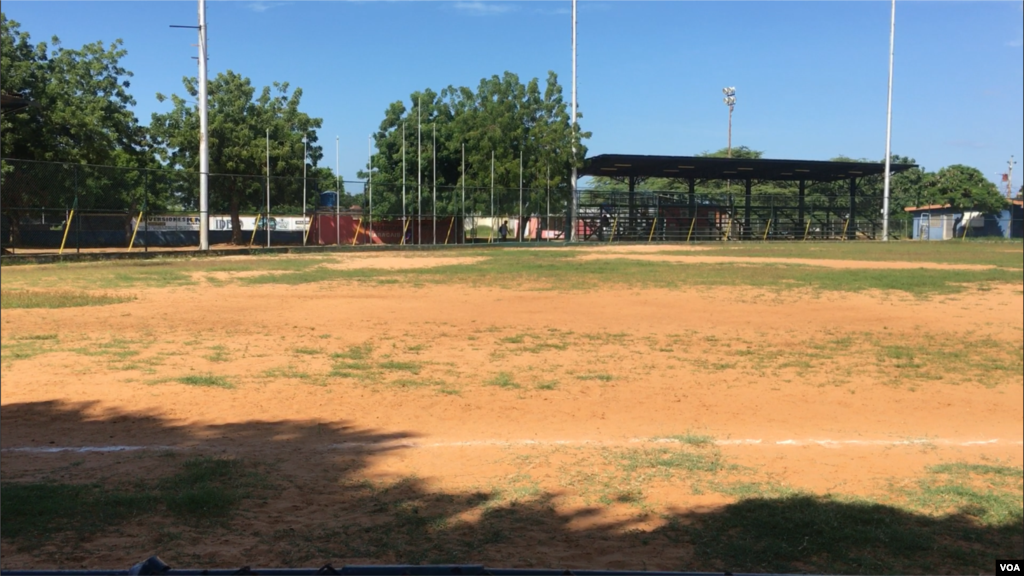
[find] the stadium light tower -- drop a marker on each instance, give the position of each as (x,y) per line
(573,203)
(204,153)
(305,155)
(730,101)
(888,130)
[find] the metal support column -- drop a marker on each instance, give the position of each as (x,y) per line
(851,228)
(632,205)
(802,205)
(691,203)
(747,198)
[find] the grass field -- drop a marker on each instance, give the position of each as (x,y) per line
(829,408)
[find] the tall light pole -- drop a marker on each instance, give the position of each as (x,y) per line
(1009,176)
(369,163)
(419,172)
(888,130)
(519,225)
(204,152)
(268,188)
(305,155)
(337,195)
(730,101)
(573,202)
(404,225)
(433,210)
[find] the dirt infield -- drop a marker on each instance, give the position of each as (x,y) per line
(546,398)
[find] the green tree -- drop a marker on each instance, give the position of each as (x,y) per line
(238,124)
(965,188)
(84,111)
(83,115)
(504,117)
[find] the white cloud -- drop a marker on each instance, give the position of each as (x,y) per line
(261,6)
(482,7)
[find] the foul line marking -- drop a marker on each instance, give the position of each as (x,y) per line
(825,443)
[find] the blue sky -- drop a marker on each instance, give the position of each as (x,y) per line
(810,76)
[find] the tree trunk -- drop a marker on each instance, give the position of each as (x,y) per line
(236,222)
(14,220)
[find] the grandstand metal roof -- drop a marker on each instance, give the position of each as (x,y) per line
(707,168)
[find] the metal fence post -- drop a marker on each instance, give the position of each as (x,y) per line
(145,208)
(78,225)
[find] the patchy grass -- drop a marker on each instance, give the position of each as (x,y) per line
(691,439)
(599,376)
(202,490)
(360,352)
(206,488)
(15,299)
(504,380)
(286,372)
(994,253)
(205,381)
(399,366)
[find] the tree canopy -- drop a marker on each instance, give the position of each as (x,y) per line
(503,117)
(239,119)
(965,188)
(85,109)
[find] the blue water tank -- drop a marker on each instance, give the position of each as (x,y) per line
(328,199)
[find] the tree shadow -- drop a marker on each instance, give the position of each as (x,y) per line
(322,503)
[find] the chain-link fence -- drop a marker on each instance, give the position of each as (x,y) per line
(47,206)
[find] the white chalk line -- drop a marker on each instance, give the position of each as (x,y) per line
(825,443)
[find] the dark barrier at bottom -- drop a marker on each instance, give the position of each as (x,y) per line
(156,567)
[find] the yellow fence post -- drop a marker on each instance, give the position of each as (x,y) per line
(615,225)
(653,224)
(766,228)
(449,234)
(135,231)
(693,220)
(806,230)
(255,227)
(67,227)
(404,230)
(355,236)
(845,226)
(305,235)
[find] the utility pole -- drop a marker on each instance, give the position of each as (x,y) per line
(403,184)
(519,226)
(305,154)
(1009,176)
(888,130)
(204,151)
(492,191)
(419,172)
(369,162)
(267,188)
(463,224)
(433,151)
(574,204)
(337,195)
(730,101)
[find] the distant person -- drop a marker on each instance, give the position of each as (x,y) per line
(503,231)
(408,235)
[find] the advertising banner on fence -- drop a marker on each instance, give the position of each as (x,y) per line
(180,223)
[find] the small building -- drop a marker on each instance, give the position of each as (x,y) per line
(944,222)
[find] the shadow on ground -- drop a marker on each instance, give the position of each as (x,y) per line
(298,494)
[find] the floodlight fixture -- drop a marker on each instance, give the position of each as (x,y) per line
(730,101)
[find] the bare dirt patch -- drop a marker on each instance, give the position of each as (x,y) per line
(369,401)
(847,264)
